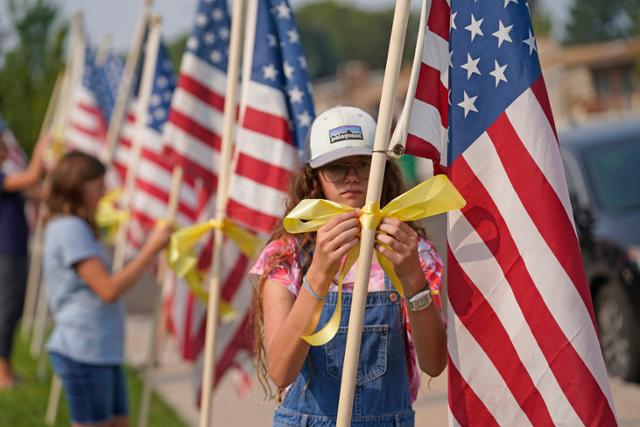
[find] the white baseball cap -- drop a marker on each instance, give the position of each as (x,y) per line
(340,132)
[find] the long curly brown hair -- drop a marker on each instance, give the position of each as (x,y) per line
(304,184)
(66,183)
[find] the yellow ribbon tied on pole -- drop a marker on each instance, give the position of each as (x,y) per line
(432,197)
(183,261)
(109,217)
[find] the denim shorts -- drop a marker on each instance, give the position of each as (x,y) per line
(95,393)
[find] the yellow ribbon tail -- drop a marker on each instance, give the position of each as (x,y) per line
(248,243)
(185,239)
(195,282)
(330,329)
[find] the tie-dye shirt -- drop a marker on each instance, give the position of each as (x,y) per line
(289,274)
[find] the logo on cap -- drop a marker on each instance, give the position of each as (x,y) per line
(344,133)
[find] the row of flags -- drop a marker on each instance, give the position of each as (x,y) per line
(522,336)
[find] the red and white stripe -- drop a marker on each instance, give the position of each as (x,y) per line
(194,127)
(193,137)
(523,345)
(87,129)
(266,157)
(428,126)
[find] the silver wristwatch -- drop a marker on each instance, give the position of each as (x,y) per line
(420,301)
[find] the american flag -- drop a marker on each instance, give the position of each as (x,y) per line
(523,345)
(17,158)
(277,110)
(153,176)
(92,103)
(192,136)
(277,113)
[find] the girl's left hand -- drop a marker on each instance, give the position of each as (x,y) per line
(398,242)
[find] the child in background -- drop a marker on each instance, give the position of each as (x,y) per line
(296,291)
(87,344)
(14,235)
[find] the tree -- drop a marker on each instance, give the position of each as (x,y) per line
(333,33)
(600,20)
(30,67)
(540,18)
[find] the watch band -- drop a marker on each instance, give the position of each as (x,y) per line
(421,300)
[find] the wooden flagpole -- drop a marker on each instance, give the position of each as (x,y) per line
(74,76)
(229,121)
(174,198)
(71,77)
(103,50)
(124,91)
(35,263)
(142,111)
(399,137)
(374,190)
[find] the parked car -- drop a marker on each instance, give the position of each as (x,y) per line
(602,165)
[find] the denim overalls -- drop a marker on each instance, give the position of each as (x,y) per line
(382,388)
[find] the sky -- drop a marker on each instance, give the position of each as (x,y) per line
(117,18)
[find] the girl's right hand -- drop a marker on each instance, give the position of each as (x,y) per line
(159,237)
(333,241)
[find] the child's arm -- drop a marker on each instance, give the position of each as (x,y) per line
(287,318)
(23,180)
(428,332)
(110,287)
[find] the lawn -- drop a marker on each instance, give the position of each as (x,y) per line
(25,405)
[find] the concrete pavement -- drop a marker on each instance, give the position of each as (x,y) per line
(175,382)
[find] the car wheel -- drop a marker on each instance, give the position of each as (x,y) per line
(618,327)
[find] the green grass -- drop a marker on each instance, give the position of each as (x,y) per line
(25,405)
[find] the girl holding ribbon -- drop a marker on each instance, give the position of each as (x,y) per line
(87,344)
(298,278)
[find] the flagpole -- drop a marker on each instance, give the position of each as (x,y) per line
(374,189)
(174,198)
(35,265)
(103,50)
(399,137)
(229,121)
(76,55)
(124,90)
(74,64)
(142,111)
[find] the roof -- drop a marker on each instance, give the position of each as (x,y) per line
(594,55)
(604,132)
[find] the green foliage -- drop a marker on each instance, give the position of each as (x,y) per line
(540,18)
(30,67)
(25,405)
(334,33)
(601,20)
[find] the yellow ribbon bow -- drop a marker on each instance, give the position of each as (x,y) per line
(432,197)
(109,217)
(183,261)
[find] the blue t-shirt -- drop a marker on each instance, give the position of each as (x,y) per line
(13,224)
(87,329)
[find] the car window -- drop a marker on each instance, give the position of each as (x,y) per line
(614,174)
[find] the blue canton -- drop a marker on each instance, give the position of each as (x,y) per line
(102,80)
(279,62)
(493,58)
(163,85)
(209,39)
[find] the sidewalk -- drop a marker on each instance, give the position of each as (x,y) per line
(174,381)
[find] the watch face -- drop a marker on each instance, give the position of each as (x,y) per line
(420,301)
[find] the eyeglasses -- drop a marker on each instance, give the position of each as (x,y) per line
(337,172)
